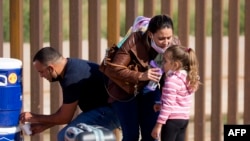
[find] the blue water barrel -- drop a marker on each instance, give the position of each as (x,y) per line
(10,134)
(10,91)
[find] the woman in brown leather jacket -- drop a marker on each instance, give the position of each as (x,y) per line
(135,111)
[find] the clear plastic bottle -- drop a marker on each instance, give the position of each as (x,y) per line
(152,85)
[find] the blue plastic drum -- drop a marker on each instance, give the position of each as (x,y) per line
(10,91)
(10,134)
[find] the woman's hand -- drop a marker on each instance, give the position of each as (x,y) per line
(157,107)
(153,74)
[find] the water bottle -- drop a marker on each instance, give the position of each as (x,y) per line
(152,85)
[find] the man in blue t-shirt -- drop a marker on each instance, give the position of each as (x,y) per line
(82,85)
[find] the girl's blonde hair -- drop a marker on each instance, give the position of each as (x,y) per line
(188,61)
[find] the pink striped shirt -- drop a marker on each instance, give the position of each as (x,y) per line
(176,98)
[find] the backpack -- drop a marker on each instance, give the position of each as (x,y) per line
(140,24)
(85,132)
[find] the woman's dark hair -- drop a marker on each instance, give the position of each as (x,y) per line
(159,22)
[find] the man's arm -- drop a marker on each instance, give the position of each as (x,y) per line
(63,116)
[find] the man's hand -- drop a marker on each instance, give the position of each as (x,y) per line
(26,117)
(38,127)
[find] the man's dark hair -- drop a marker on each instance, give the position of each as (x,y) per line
(47,54)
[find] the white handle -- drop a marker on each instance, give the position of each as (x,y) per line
(5,80)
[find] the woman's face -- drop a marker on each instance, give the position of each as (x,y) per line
(163,37)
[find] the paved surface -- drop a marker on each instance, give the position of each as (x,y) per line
(26,80)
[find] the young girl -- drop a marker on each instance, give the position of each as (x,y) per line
(181,81)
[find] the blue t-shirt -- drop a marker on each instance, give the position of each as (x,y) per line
(84,82)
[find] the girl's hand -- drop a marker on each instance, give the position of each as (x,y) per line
(156,131)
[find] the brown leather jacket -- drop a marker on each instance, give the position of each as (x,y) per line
(132,59)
